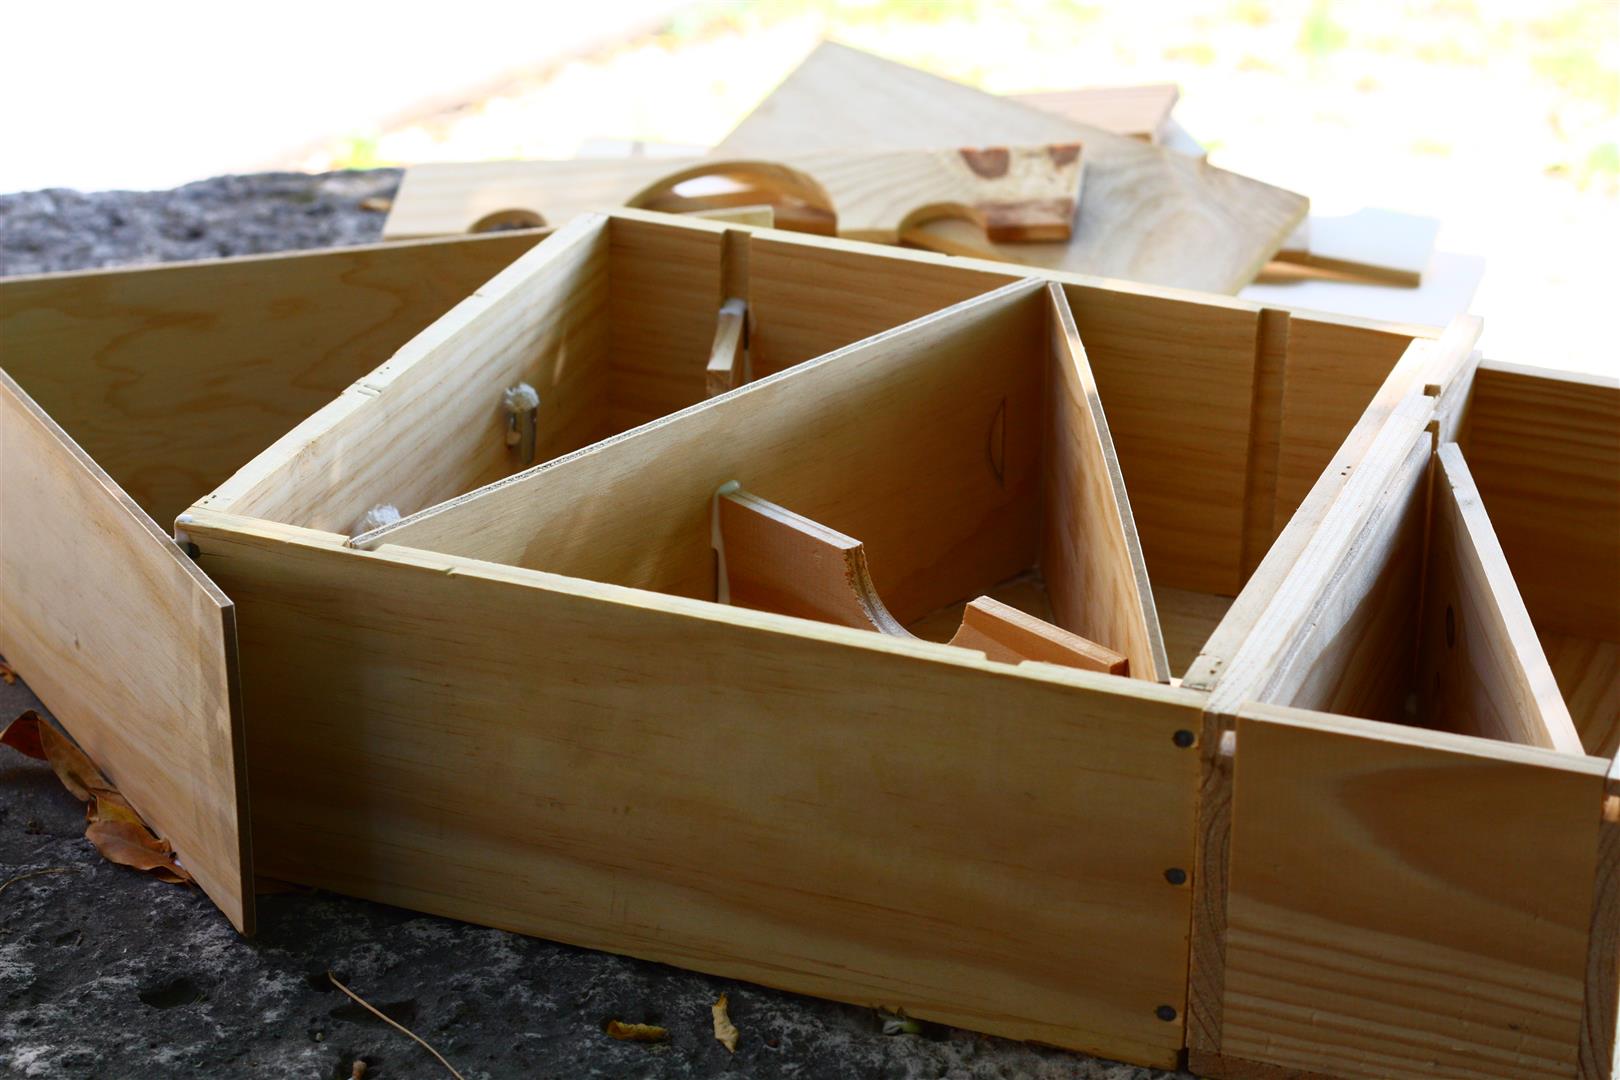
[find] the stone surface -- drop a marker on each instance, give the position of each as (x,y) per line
(107,973)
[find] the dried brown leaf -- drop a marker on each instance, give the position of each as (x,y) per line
(22,735)
(724,1029)
(8,674)
(618,1029)
(129,843)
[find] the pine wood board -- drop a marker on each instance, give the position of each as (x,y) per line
(865,778)
(1370,244)
(172,377)
(1011,194)
(129,645)
(1588,674)
(1147,214)
(1090,554)
(1372,935)
(1481,669)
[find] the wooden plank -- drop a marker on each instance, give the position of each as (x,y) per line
(172,377)
(1139,112)
(1374,245)
(728,357)
(1481,669)
(885,440)
(1011,194)
(409,436)
(1406,903)
(1005,634)
(866,778)
(1260,524)
(1090,555)
(131,647)
(1588,674)
(1148,214)
(771,559)
(1600,1048)
(1545,450)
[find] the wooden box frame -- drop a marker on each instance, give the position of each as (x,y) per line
(1143,870)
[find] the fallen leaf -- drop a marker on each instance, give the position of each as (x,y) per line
(111,824)
(724,1029)
(8,674)
(618,1029)
(129,843)
(377,204)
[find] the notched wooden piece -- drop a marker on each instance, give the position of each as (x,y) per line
(1004,633)
(728,357)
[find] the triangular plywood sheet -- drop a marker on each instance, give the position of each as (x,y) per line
(1147,214)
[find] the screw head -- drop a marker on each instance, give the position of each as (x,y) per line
(1176,876)
(1166,1013)
(1183,738)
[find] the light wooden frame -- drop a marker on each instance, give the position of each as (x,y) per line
(898,822)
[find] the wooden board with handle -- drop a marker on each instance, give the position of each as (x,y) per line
(1009,194)
(1148,214)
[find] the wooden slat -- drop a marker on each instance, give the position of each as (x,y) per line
(728,356)
(1147,214)
(1090,556)
(129,645)
(805,806)
(172,377)
(1481,668)
(1010,193)
(1004,633)
(1406,903)
(1545,450)
(409,435)
(885,440)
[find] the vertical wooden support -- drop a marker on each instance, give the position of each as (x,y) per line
(1091,555)
(1599,1056)
(728,357)
(1206,972)
(1260,524)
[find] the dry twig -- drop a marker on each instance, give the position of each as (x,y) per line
(38,873)
(401,1028)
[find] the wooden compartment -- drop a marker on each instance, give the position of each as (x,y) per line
(524,704)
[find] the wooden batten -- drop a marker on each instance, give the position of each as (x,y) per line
(1004,633)
(1481,669)
(1090,555)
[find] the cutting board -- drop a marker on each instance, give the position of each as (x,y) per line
(1148,214)
(1010,194)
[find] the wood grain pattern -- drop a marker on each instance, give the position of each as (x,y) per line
(801,805)
(1005,634)
(131,647)
(1545,450)
(1090,556)
(1147,214)
(771,559)
(888,440)
(1599,1047)
(1011,194)
(1187,619)
(1370,935)
(1139,112)
(1481,669)
(407,435)
(172,377)
(1588,674)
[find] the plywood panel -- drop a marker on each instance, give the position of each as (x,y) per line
(923,442)
(806,806)
(1177,379)
(171,377)
(1481,669)
(428,423)
(1588,674)
(1406,904)
(1146,214)
(1096,578)
(128,643)
(1545,450)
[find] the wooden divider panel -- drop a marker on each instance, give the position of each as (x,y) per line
(172,377)
(923,442)
(1481,669)
(129,645)
(1404,903)
(1090,556)
(823,809)
(428,423)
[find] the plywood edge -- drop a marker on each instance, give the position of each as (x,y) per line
(229,886)
(252,487)
(1140,636)
(486,507)
(1599,1052)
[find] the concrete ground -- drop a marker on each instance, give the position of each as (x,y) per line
(105,972)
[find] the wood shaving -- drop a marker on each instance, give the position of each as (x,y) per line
(618,1029)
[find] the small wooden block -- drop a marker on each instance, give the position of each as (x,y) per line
(1004,633)
(728,358)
